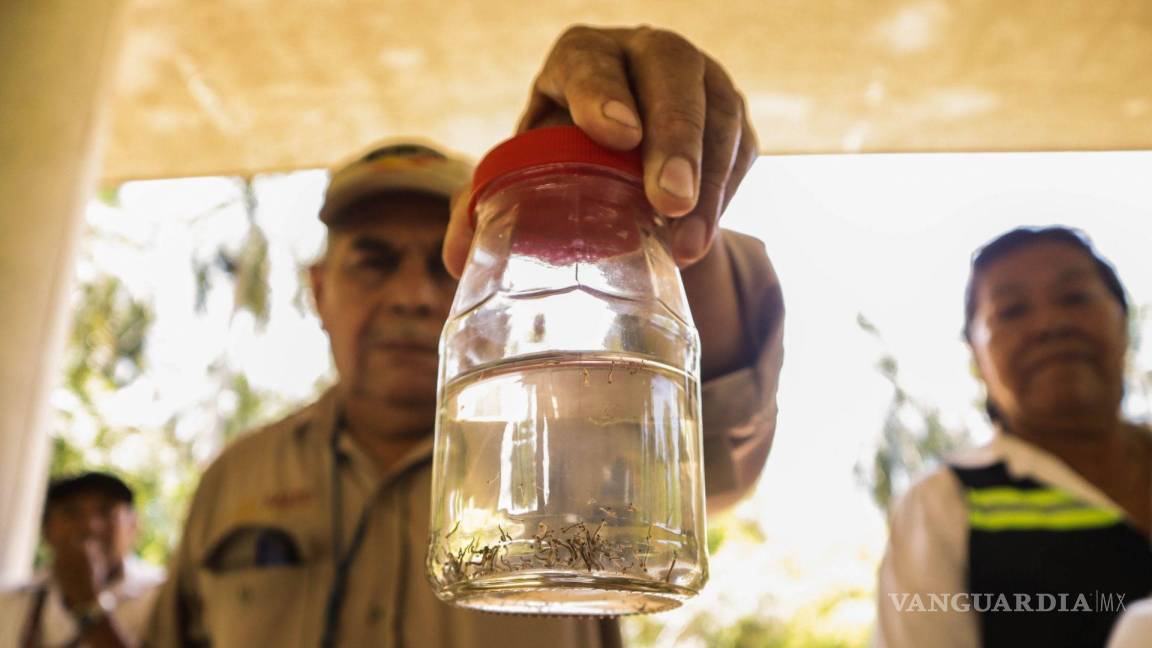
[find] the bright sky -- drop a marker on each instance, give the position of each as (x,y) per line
(886,236)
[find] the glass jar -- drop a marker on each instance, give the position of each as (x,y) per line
(567,475)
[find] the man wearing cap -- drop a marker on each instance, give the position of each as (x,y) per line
(95,593)
(313,530)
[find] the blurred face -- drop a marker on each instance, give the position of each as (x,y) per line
(383,295)
(92,517)
(1048,336)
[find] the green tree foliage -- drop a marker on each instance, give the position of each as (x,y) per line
(913,437)
(250,267)
(1139,373)
(106,346)
(104,354)
(106,358)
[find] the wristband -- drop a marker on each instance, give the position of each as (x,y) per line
(94,612)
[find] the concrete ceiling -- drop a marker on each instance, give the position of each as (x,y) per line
(246,86)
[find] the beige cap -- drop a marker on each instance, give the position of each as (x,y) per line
(395,165)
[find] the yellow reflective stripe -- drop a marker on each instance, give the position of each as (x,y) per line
(1017,497)
(1061,520)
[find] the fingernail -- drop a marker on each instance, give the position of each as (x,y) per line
(677,179)
(690,238)
(621,114)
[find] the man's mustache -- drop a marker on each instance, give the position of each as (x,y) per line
(403,339)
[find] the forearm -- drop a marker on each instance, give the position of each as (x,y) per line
(715,304)
(98,627)
(82,587)
(105,633)
(739,309)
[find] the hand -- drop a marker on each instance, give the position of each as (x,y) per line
(652,88)
(80,569)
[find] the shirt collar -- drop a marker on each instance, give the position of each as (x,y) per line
(1025,459)
(329,418)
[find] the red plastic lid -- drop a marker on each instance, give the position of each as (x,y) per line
(550,145)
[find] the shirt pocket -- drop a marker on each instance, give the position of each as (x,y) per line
(257,606)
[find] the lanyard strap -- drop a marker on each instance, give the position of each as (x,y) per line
(344,561)
(31,635)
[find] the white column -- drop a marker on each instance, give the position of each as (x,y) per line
(57,65)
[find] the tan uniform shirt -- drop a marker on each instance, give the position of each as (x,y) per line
(280,478)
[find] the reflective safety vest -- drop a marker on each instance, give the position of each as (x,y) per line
(1046,568)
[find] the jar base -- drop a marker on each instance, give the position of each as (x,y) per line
(553,594)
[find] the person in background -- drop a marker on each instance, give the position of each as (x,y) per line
(95,592)
(1042,536)
(313,530)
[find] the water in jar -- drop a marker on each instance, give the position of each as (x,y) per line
(575,486)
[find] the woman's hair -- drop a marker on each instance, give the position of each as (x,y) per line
(1022,237)
(1010,242)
